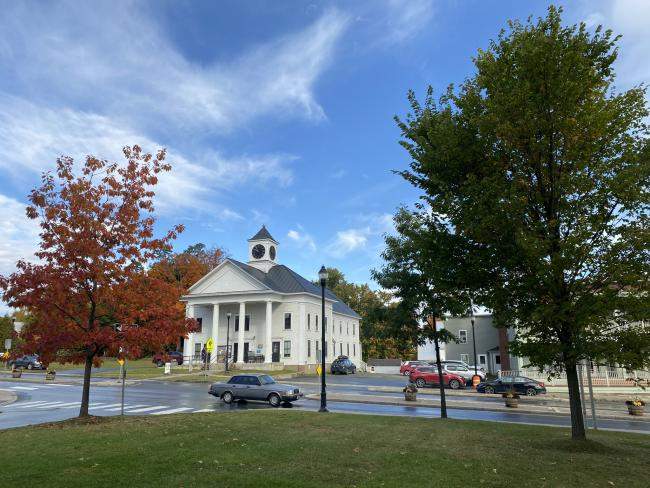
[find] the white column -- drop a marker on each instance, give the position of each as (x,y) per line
(302,324)
(189,343)
(240,337)
(268,346)
(215,329)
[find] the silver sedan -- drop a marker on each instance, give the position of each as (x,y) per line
(260,387)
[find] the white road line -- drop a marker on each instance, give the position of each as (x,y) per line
(27,388)
(56,384)
(93,405)
(173,410)
(203,410)
(28,404)
(59,405)
(126,407)
(72,405)
(148,409)
(46,404)
(108,406)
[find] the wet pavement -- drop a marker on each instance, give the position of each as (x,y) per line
(41,402)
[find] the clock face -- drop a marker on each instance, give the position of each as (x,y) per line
(272,253)
(258,251)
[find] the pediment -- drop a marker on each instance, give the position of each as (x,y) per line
(226,278)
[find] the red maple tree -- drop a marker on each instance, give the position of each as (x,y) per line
(90,292)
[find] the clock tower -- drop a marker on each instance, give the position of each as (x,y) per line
(262,250)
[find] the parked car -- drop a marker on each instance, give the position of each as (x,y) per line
(163,357)
(343,365)
(408,366)
(463,363)
(428,376)
(520,384)
(260,387)
(464,371)
(29,361)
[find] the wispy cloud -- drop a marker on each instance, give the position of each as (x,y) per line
(367,236)
(19,234)
(347,241)
(302,239)
(406,18)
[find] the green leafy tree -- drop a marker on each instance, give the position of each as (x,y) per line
(419,270)
(540,170)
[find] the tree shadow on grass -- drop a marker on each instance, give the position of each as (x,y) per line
(589,446)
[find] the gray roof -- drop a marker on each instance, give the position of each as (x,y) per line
(262,234)
(285,280)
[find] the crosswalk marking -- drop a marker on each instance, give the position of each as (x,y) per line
(29,404)
(108,406)
(56,404)
(26,388)
(173,410)
(148,409)
(125,407)
(203,410)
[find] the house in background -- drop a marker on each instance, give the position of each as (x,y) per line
(427,351)
(384,366)
(491,344)
(268,313)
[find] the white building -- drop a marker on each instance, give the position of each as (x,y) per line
(282,311)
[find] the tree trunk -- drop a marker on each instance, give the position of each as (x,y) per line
(577,419)
(85,396)
(441,380)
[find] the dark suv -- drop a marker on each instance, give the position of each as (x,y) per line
(343,365)
(29,361)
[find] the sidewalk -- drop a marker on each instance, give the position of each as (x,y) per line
(525,405)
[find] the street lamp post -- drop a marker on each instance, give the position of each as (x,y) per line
(322,275)
(471,304)
(227,338)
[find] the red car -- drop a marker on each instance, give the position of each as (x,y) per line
(162,357)
(428,376)
(408,366)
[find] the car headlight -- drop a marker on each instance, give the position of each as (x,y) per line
(288,392)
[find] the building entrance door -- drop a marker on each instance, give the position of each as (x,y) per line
(246,346)
(275,356)
(235,350)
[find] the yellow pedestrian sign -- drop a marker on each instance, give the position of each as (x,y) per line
(121,361)
(318,370)
(209,346)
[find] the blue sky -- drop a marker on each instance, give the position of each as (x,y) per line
(274,112)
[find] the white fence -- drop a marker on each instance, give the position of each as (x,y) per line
(600,376)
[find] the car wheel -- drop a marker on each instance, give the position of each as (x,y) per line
(454,384)
(489,389)
(30,366)
(160,364)
(227,397)
(420,383)
(274,400)
(531,392)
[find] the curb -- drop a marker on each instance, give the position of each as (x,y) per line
(333,398)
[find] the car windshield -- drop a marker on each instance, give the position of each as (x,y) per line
(266,380)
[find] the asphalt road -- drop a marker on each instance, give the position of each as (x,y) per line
(40,402)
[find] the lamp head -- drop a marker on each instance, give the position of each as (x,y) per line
(322,276)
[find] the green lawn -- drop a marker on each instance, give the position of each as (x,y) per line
(273,448)
(200,377)
(136,369)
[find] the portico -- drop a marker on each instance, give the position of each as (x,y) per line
(267,313)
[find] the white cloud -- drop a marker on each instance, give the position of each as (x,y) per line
(32,136)
(347,241)
(19,234)
(302,239)
(406,18)
(119,61)
(629,18)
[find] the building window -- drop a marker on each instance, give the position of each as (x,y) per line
(316,322)
(340,327)
(287,321)
(308,322)
(354,350)
(481,358)
(317,351)
(348,348)
(247,322)
(287,349)
(464,358)
(462,336)
(354,326)
(197,349)
(497,359)
(347,328)
(333,348)
(308,349)
(325,323)
(199,325)
(340,349)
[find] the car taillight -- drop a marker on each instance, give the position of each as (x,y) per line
(541,384)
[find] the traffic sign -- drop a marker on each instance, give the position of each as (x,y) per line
(121,361)
(318,370)
(209,346)
(7,344)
